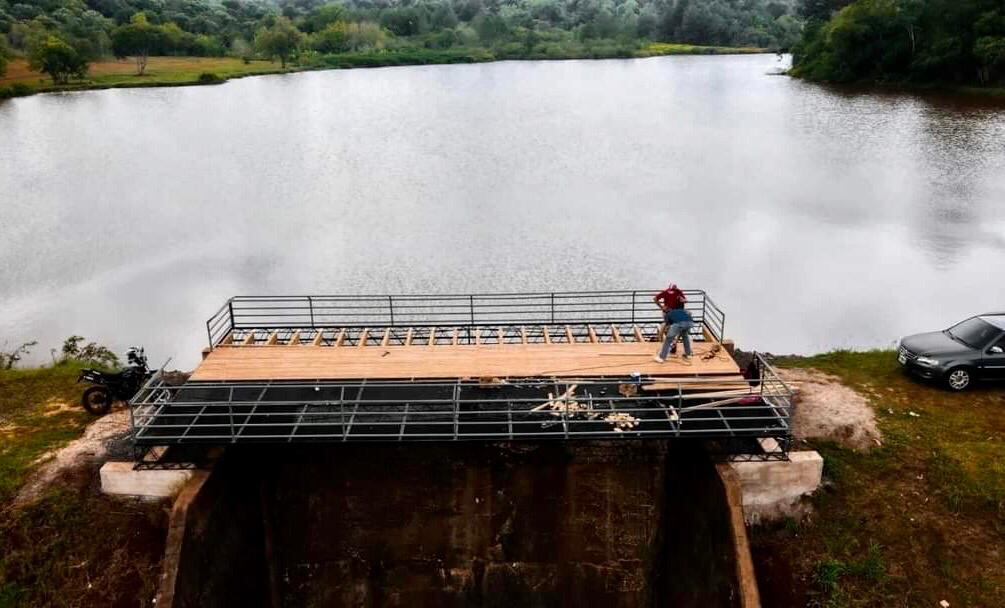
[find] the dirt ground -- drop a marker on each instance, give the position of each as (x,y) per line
(827,409)
(91,448)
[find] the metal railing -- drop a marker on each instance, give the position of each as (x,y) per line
(459,310)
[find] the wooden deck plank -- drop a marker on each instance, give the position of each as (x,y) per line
(462,361)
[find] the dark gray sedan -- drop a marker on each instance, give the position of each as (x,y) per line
(968,351)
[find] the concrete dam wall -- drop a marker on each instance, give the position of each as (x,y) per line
(620,524)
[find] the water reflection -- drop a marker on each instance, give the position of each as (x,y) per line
(817,217)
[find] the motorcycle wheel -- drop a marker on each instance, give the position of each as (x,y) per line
(96,400)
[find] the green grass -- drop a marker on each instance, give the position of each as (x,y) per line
(921,518)
(73,546)
(160,71)
(670,48)
(31,420)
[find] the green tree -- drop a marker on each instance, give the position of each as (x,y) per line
(281,40)
(3,55)
(334,38)
(990,51)
(53,56)
(323,16)
(821,9)
(139,38)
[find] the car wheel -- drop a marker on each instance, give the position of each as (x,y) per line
(959,379)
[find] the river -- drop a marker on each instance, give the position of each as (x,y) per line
(816,218)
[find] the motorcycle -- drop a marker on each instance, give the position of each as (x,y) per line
(110,387)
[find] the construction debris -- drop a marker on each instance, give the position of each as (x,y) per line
(712,353)
(558,403)
(622,422)
(567,405)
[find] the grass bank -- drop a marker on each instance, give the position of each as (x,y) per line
(73,545)
(113,73)
(914,522)
(180,71)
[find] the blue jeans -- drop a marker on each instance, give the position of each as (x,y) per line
(677,329)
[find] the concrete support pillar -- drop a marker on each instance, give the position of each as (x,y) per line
(774,490)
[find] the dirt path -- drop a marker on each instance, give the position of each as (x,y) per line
(827,409)
(91,446)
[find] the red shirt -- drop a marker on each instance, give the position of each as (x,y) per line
(670,298)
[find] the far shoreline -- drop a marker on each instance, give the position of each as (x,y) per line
(170,71)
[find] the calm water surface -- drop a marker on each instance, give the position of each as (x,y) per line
(816,218)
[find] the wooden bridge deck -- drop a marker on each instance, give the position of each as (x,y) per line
(423,361)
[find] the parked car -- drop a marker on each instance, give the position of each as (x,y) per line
(966,352)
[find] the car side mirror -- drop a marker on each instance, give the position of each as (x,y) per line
(996,350)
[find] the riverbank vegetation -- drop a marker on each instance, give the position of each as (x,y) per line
(942,42)
(913,522)
(75,41)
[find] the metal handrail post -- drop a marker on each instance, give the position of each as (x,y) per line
(390,308)
(230,411)
(704,308)
(310,302)
(634,293)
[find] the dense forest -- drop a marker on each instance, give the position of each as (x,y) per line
(72,32)
(921,41)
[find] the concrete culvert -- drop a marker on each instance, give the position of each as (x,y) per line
(549,524)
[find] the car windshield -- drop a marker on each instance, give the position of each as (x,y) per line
(975,332)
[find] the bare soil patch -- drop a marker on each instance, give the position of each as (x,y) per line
(827,409)
(89,448)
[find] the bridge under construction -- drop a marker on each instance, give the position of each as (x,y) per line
(471,367)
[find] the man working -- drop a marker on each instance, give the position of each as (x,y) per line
(670,298)
(679,323)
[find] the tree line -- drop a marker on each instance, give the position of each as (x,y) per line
(64,35)
(922,41)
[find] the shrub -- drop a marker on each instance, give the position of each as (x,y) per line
(91,353)
(58,59)
(209,78)
(18,89)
